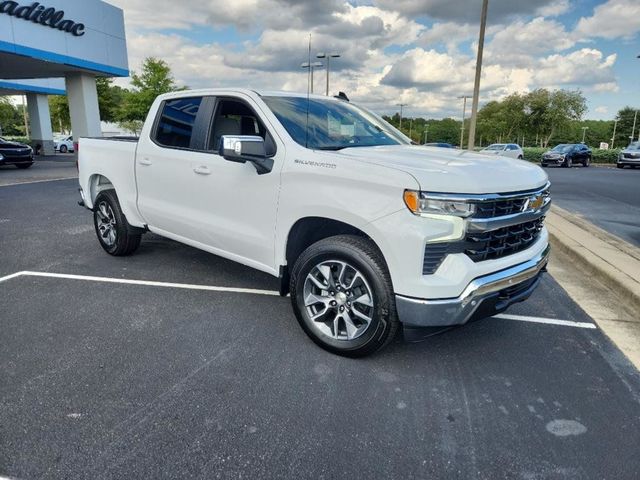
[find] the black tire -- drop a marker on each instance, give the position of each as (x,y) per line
(520,157)
(620,165)
(24,166)
(587,162)
(543,165)
(125,242)
(362,254)
(568,163)
(63,149)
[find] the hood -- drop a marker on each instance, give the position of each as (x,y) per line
(12,145)
(453,171)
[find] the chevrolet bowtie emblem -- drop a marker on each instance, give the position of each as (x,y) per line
(534,203)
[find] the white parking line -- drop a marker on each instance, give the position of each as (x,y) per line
(550,321)
(38,181)
(271,293)
(185,286)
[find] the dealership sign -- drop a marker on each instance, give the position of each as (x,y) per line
(46,16)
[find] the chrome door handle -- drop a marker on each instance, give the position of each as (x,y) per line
(202,170)
(145,161)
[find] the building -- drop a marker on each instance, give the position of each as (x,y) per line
(59,47)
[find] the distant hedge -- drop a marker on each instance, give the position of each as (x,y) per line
(534,154)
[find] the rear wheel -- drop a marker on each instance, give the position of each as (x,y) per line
(342,296)
(587,161)
(63,149)
(113,231)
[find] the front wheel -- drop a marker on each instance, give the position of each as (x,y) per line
(63,149)
(342,296)
(113,231)
(24,166)
(568,163)
(587,162)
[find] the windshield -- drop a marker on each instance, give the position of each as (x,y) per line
(562,148)
(495,146)
(333,125)
(634,146)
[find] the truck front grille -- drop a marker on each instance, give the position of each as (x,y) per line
(502,242)
(499,208)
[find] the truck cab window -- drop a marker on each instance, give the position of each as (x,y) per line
(233,117)
(175,125)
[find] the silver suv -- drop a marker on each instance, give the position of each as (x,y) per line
(630,155)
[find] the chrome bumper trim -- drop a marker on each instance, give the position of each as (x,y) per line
(457,311)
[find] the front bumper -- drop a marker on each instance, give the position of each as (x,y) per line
(485,296)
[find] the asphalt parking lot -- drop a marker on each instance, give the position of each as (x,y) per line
(607,197)
(121,380)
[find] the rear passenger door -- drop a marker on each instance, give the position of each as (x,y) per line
(164,172)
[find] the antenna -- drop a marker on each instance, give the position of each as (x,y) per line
(306,130)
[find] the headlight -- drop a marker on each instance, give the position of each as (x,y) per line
(421,203)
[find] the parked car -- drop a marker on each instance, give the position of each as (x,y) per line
(630,156)
(15,153)
(63,144)
(439,144)
(566,154)
(332,200)
(512,150)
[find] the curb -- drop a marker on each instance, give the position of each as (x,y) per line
(613,261)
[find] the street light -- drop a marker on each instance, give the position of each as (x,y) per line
(312,66)
(426,133)
(328,56)
(401,105)
(464,114)
(584,132)
(476,85)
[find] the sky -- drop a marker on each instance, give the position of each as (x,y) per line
(416,52)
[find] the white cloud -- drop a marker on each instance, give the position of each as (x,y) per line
(554,9)
(613,19)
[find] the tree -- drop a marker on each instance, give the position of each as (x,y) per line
(59,110)
(154,79)
(625,125)
(11,122)
(548,112)
(110,99)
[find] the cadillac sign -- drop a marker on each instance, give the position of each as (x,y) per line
(41,15)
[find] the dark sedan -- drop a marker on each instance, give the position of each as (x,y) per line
(14,153)
(566,154)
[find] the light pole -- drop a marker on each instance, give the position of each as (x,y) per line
(426,133)
(401,105)
(410,128)
(476,85)
(464,114)
(584,132)
(312,66)
(613,137)
(633,130)
(328,56)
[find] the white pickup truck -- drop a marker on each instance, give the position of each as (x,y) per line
(366,231)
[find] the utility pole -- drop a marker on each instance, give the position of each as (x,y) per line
(613,138)
(328,56)
(476,85)
(312,66)
(464,114)
(584,132)
(401,105)
(426,133)
(633,130)
(410,128)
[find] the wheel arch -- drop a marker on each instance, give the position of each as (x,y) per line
(98,183)
(309,230)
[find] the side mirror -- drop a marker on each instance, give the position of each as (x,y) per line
(246,148)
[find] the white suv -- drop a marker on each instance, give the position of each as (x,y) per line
(512,150)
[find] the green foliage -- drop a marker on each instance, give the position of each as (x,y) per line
(59,110)
(446,130)
(154,79)
(110,99)
(625,126)
(132,126)
(11,120)
(539,116)
(534,154)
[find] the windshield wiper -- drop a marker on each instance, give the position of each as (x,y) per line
(333,148)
